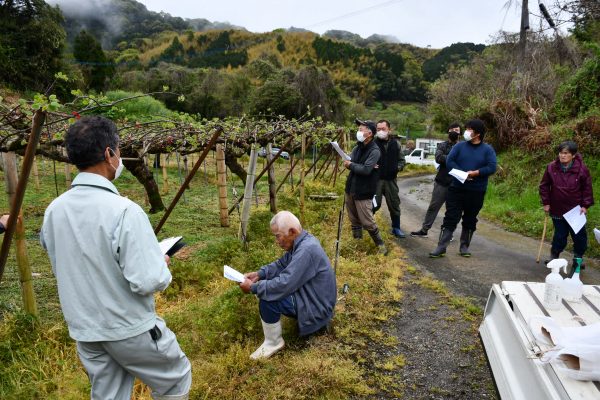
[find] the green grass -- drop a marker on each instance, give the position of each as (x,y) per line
(216,325)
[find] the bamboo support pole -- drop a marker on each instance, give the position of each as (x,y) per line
(68,175)
(272,192)
(222,184)
(38,122)
(302,179)
(205,152)
(247,203)
(36,175)
(27,293)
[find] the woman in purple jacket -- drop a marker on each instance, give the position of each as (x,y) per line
(566,184)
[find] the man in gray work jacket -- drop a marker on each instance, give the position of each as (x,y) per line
(108,265)
(300,285)
(361,184)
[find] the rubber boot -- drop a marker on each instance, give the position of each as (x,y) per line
(553,255)
(465,240)
(357,232)
(576,260)
(396,231)
(273,341)
(376,236)
(440,250)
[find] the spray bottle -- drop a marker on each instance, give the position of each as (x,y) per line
(554,284)
(572,288)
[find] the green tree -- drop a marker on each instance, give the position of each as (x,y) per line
(95,66)
(31,43)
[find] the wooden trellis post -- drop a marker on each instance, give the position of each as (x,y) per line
(272,192)
(34,138)
(290,172)
(165,175)
(243,233)
(10,171)
(302,178)
(222,184)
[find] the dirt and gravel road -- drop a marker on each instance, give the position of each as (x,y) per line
(498,255)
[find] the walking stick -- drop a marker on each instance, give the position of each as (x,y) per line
(537,260)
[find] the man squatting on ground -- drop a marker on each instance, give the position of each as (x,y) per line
(390,163)
(361,184)
(465,200)
(108,265)
(441,182)
(300,285)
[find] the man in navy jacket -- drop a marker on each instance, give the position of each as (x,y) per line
(465,200)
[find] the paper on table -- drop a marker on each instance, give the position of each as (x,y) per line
(232,274)
(575,218)
(166,244)
(597,234)
(337,148)
(458,174)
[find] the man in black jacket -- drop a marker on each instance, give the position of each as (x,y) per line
(390,163)
(442,181)
(3,223)
(361,184)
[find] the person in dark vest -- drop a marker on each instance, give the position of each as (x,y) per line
(361,184)
(442,181)
(390,163)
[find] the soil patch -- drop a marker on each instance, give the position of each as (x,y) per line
(439,345)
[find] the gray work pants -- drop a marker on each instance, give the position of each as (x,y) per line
(438,198)
(113,366)
(360,213)
(389,190)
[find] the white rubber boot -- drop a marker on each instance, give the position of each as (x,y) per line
(273,341)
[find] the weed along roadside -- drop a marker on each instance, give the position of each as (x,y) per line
(365,356)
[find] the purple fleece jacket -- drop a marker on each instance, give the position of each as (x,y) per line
(564,190)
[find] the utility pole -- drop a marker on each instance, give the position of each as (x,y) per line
(524,29)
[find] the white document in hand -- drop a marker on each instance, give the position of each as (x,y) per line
(232,274)
(166,244)
(337,148)
(458,174)
(597,234)
(575,218)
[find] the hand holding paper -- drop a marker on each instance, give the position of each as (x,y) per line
(458,174)
(232,274)
(575,218)
(337,148)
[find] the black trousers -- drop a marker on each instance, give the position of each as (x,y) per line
(464,204)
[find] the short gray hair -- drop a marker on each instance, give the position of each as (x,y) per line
(285,220)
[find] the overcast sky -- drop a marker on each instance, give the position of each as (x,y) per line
(437,23)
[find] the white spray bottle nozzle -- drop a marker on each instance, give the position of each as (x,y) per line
(557,264)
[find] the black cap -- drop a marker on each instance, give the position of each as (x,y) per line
(368,123)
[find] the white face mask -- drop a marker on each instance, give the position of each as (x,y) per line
(468,136)
(382,134)
(119,168)
(360,136)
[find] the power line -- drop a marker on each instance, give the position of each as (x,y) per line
(353,13)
